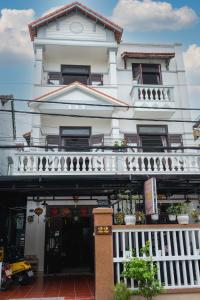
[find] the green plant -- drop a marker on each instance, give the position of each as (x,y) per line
(172,209)
(140,216)
(119,218)
(144,271)
(121,292)
(194,213)
(182,209)
(120,144)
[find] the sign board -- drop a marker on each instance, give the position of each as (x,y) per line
(150,196)
(103,230)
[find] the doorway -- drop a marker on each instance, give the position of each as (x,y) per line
(69,245)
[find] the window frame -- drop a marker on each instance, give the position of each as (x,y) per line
(141,79)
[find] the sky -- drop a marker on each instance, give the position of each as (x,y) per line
(150,21)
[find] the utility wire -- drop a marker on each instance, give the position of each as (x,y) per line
(106,105)
(98,117)
(115,149)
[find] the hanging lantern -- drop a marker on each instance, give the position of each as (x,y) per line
(54,212)
(65,212)
(84,211)
(38,211)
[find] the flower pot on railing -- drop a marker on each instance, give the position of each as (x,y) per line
(130,219)
(172,218)
(183,219)
(155,217)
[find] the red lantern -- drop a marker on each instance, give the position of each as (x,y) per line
(84,211)
(54,212)
(65,212)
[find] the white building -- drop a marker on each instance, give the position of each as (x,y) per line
(92,91)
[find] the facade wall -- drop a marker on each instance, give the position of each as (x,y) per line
(76,27)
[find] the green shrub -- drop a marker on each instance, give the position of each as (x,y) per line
(121,292)
(144,271)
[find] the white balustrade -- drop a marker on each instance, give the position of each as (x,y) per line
(105,163)
(175,249)
(152,93)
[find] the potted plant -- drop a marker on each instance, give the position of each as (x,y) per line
(130,217)
(172,212)
(195,215)
(119,217)
(155,216)
(140,216)
(144,271)
(121,292)
(182,213)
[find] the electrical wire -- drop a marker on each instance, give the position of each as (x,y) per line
(98,117)
(106,105)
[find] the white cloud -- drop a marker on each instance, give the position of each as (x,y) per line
(14,36)
(192,66)
(145,15)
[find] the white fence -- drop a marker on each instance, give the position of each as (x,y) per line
(98,163)
(175,249)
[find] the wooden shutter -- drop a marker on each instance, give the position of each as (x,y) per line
(175,140)
(97,140)
(137,74)
(132,140)
(96,79)
(52,140)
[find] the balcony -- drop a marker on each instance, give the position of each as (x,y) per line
(104,163)
(160,98)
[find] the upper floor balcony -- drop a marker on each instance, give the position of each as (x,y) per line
(109,162)
(160,98)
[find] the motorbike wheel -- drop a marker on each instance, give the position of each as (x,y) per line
(5,283)
(23,279)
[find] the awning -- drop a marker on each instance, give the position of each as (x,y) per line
(152,55)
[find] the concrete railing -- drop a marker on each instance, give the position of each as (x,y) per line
(154,93)
(99,163)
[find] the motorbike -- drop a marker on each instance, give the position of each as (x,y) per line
(22,272)
(6,276)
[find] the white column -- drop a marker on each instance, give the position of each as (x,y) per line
(184,100)
(36,128)
(112,56)
(38,65)
(115,134)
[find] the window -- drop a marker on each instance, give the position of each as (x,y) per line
(147,73)
(75,138)
(71,73)
(153,138)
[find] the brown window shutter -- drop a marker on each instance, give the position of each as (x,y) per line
(97,140)
(132,140)
(175,140)
(52,140)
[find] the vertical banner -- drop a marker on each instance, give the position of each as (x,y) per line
(150,196)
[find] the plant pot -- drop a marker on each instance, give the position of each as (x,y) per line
(155,217)
(130,219)
(183,219)
(172,218)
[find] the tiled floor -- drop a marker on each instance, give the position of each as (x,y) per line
(70,288)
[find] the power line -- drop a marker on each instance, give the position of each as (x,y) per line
(106,105)
(98,117)
(115,149)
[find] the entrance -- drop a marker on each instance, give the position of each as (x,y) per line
(69,240)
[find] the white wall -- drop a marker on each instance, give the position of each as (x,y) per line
(75,27)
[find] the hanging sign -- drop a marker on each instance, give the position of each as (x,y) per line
(150,196)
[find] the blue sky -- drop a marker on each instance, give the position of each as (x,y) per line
(16,65)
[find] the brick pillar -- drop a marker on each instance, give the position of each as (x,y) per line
(104,275)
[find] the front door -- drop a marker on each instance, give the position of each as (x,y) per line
(69,240)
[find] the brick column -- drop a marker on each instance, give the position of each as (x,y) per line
(104,275)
